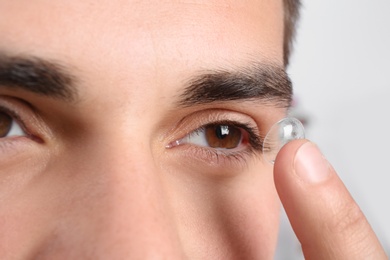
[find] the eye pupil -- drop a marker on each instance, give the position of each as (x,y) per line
(5,124)
(223,136)
(222,131)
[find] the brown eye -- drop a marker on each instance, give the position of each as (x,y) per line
(223,136)
(5,124)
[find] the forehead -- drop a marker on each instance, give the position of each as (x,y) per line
(128,49)
(143,28)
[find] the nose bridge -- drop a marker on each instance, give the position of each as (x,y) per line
(135,214)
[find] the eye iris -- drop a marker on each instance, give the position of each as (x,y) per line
(5,124)
(223,136)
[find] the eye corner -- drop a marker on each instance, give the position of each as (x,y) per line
(186,141)
(21,121)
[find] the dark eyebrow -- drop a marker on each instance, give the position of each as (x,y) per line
(38,76)
(257,82)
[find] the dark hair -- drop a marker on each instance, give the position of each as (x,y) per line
(291,16)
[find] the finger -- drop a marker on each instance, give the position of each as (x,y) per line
(324,216)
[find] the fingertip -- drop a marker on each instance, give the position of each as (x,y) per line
(284,161)
(323,215)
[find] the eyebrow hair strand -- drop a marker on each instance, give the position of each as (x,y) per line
(38,76)
(258,82)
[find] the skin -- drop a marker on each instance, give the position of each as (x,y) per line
(100,183)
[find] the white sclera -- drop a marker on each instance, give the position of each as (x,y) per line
(281,133)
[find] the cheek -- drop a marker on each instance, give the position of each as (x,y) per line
(230,217)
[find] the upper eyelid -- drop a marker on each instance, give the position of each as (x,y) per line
(25,116)
(199,119)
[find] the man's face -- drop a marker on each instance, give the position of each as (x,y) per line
(141,127)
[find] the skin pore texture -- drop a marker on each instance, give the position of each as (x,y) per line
(92,178)
(134,129)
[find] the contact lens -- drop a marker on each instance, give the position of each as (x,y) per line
(281,133)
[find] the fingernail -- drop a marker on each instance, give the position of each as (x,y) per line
(310,165)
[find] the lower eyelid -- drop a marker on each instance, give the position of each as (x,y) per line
(213,161)
(215,158)
(14,147)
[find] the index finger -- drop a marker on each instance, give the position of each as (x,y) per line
(324,216)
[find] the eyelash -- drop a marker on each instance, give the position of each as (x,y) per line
(20,122)
(222,157)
